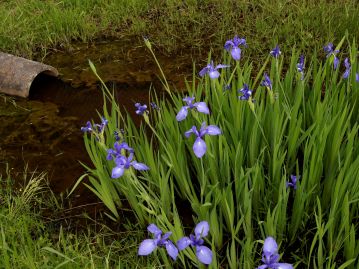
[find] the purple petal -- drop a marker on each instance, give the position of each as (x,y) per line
(264,266)
(120,160)
(190,131)
(117,172)
(336,62)
(183,243)
(202,107)
(213,130)
(228,45)
(222,66)
(204,71)
(236,53)
(166,235)
(152,228)
(171,250)
(139,166)
(357,77)
(283,266)
(199,147)
(270,246)
(146,247)
(182,114)
(214,74)
(202,229)
(204,254)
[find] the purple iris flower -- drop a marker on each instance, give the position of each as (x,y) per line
(147,246)
(246,92)
(300,66)
(233,46)
(266,82)
(293,181)
(123,163)
(329,49)
(199,146)
(203,253)
(154,106)
(200,106)
(90,128)
(211,70)
(270,256)
(347,68)
(275,52)
(140,109)
(117,150)
(87,128)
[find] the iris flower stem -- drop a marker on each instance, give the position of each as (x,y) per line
(234,69)
(160,68)
(261,128)
(278,81)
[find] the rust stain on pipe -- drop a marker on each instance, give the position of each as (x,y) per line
(17,74)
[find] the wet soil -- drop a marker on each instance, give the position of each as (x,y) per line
(43,131)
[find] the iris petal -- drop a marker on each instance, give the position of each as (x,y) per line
(183,243)
(213,130)
(202,229)
(236,53)
(199,147)
(139,166)
(204,254)
(147,247)
(270,246)
(117,172)
(182,114)
(202,107)
(171,250)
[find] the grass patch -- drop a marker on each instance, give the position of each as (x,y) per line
(32,238)
(32,27)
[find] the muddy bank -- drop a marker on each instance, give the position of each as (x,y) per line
(43,131)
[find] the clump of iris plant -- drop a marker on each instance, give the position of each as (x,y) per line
(232,45)
(141,109)
(200,106)
(122,162)
(270,256)
(211,70)
(149,245)
(275,52)
(300,66)
(293,182)
(203,253)
(347,68)
(199,146)
(329,49)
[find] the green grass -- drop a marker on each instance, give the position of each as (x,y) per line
(32,27)
(28,239)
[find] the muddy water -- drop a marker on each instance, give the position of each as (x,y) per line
(43,131)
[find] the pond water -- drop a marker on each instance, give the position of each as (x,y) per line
(43,131)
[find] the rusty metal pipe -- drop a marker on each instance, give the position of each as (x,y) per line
(17,74)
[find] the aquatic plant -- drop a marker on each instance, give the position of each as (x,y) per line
(241,187)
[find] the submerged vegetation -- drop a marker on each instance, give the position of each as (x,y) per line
(36,26)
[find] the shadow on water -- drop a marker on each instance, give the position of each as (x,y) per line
(43,131)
